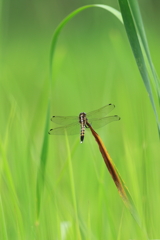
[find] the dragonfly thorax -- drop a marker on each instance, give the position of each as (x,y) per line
(82,118)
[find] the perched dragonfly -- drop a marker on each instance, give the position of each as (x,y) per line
(74,124)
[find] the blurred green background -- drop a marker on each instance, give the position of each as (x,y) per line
(93,66)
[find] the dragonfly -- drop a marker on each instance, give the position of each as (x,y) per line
(74,124)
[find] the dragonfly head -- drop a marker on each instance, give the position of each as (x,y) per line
(82,114)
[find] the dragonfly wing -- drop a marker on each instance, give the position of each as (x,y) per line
(64,120)
(70,129)
(101,122)
(101,112)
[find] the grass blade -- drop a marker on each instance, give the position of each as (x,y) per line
(133,36)
(68,18)
(42,166)
(140,28)
(78,233)
(122,189)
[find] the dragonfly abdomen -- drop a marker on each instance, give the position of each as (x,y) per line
(82,121)
(82,133)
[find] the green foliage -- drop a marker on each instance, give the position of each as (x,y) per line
(92,66)
(136,34)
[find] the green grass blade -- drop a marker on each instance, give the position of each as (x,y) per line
(71,175)
(10,183)
(42,166)
(68,18)
(130,27)
(139,24)
(4,233)
(133,35)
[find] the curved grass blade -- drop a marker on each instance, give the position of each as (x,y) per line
(69,17)
(133,36)
(41,171)
(137,40)
(122,189)
(42,166)
(136,47)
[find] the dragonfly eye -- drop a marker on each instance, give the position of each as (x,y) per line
(52,117)
(117,116)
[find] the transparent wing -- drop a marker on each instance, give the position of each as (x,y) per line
(70,129)
(101,112)
(64,120)
(101,122)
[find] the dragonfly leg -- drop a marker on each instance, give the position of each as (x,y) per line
(87,125)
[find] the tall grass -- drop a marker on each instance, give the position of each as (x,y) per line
(93,66)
